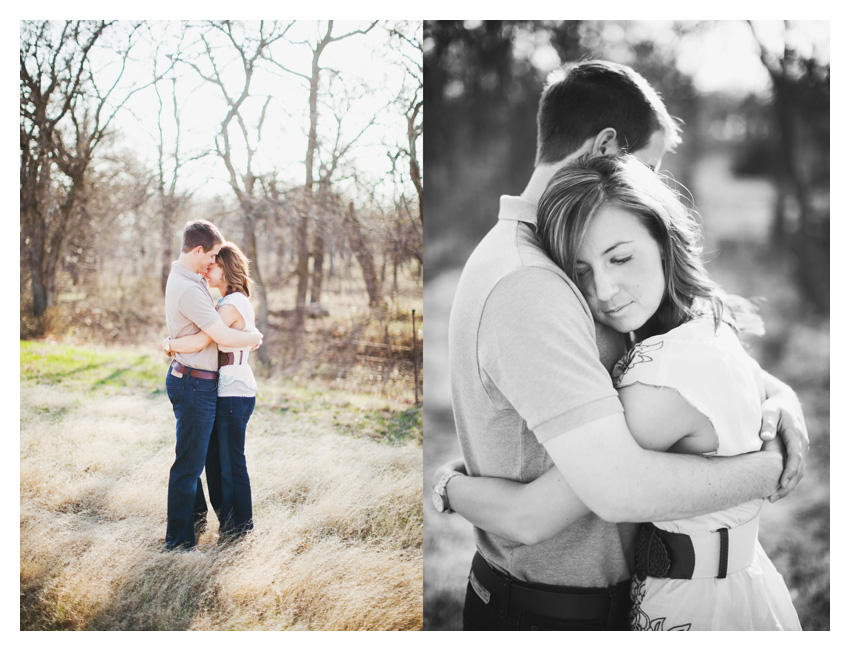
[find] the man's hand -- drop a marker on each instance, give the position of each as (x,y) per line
(259,343)
(456,464)
(782,414)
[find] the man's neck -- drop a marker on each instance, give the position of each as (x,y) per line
(185,260)
(538,181)
(545,171)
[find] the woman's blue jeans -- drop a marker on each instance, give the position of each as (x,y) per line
(194,404)
(227,472)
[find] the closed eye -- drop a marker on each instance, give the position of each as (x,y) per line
(621,260)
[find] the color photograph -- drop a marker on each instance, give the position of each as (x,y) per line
(221,325)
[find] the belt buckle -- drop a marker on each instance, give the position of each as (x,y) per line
(652,558)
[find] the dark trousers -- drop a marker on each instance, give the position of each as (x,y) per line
(194,402)
(227,471)
(514,605)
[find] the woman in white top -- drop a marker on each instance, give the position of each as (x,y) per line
(686,385)
(226,469)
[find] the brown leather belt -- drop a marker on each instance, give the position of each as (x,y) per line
(194,372)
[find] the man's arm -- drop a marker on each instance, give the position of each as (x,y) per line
(621,482)
(525,513)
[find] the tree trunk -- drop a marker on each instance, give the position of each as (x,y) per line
(167,254)
(354,231)
(319,248)
(302,270)
(318,263)
(262,313)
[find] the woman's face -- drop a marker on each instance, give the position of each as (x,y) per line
(620,271)
(215,275)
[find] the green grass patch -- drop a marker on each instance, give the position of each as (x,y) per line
(350,414)
(89,369)
(384,425)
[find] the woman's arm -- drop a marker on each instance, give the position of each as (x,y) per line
(188,343)
(525,513)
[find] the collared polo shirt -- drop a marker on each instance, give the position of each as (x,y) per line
(525,367)
(189,308)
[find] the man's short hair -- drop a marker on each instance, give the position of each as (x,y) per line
(200,233)
(583,98)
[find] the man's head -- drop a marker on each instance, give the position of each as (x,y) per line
(602,107)
(201,243)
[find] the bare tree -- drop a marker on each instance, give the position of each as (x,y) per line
(801,108)
(67,109)
(249,50)
(410,98)
(317,48)
(169,163)
(363,252)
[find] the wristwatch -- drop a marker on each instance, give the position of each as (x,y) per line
(167,346)
(441,498)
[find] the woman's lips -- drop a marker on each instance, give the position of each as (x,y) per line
(614,311)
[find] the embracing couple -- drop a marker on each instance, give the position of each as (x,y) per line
(210,385)
(587,343)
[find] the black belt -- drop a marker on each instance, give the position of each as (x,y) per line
(670,555)
(194,372)
(501,591)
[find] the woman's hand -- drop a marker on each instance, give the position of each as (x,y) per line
(166,347)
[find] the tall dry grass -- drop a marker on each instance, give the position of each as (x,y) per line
(338,517)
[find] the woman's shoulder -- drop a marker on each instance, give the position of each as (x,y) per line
(699,343)
(237,299)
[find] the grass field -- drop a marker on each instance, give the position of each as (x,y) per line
(337,489)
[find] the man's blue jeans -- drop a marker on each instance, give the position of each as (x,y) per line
(227,472)
(193,400)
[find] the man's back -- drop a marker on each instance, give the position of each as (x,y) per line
(524,368)
(188,309)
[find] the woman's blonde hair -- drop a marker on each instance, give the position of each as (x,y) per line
(580,189)
(235,266)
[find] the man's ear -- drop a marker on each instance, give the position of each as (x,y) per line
(606,142)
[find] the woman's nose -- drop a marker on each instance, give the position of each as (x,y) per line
(606,287)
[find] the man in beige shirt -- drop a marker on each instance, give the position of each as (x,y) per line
(192,379)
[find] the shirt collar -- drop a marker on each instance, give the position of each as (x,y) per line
(183,271)
(518,209)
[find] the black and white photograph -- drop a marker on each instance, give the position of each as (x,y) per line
(627,363)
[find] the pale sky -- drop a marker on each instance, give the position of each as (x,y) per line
(368,79)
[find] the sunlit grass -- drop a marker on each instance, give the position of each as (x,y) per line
(337,489)
(90,367)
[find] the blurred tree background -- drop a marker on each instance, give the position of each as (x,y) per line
(754,102)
